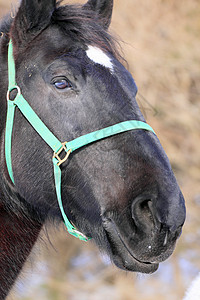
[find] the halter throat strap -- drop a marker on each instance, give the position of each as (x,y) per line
(53,142)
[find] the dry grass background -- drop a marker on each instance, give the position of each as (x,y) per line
(161,45)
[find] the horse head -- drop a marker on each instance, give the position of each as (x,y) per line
(119,191)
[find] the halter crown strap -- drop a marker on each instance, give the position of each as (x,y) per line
(51,139)
(11,68)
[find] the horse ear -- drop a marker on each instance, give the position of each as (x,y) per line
(32,17)
(103,9)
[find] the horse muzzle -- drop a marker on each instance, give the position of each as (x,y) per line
(138,239)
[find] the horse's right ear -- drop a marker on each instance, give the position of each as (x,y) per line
(32,17)
(103,9)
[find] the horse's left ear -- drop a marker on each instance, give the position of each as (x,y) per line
(103,9)
(32,17)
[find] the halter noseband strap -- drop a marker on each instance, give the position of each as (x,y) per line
(51,140)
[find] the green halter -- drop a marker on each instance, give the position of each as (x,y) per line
(50,138)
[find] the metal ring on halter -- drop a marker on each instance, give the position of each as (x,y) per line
(18,92)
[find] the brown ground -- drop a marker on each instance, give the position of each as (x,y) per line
(161,45)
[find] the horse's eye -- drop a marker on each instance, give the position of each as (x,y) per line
(62,84)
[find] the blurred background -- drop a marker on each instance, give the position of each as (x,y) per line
(160,41)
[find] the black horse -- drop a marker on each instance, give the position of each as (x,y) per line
(119,191)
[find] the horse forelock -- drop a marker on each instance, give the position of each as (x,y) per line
(83,26)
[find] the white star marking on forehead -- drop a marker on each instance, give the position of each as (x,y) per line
(99,57)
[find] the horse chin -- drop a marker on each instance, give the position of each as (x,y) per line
(131,256)
(125,260)
(135,266)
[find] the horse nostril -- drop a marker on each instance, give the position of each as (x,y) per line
(143,215)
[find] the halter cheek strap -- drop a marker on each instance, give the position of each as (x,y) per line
(50,138)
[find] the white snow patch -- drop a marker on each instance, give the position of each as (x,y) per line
(193,293)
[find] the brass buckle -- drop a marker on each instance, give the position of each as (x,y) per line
(56,154)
